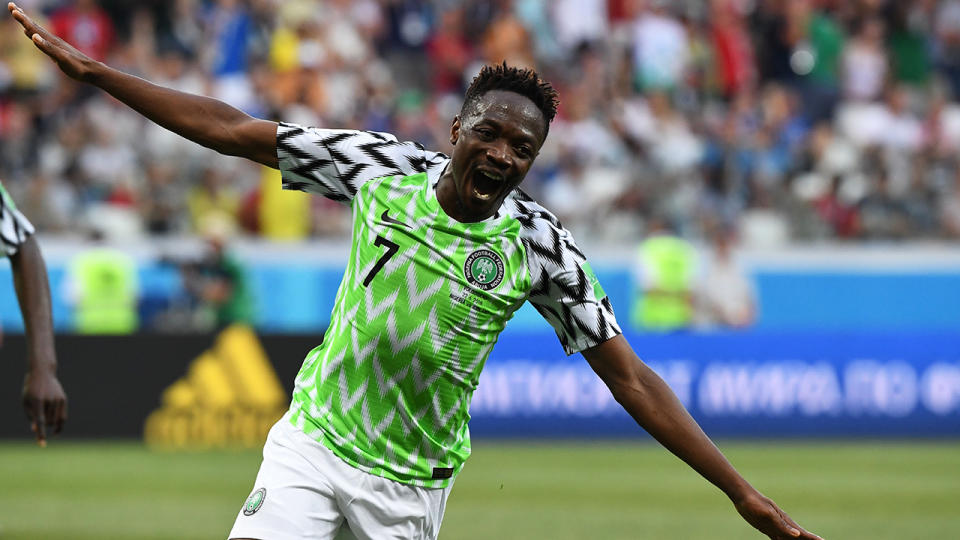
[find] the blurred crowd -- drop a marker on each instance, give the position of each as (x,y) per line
(785,120)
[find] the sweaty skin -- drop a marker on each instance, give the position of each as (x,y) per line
(498,137)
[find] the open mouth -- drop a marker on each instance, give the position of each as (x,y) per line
(486,184)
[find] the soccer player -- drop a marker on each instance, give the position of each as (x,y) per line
(43,397)
(444,250)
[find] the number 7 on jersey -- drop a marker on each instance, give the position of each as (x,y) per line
(391,251)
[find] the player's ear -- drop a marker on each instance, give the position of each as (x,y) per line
(455,130)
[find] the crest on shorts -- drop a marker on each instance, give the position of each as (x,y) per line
(254,502)
(483,269)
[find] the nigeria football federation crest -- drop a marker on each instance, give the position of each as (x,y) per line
(254,502)
(484,269)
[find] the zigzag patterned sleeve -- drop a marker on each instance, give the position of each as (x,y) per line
(335,163)
(14,227)
(564,288)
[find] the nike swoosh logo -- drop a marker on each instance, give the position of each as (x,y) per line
(385,217)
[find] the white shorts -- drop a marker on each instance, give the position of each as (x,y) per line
(303,490)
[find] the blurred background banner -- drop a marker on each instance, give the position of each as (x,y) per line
(116,382)
(291,287)
(755,384)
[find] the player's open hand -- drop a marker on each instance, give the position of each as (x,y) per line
(768,518)
(72,62)
(45,403)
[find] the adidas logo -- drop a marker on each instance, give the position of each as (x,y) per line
(229,397)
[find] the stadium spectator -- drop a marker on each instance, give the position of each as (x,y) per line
(660,48)
(882,215)
(864,63)
(950,209)
(578,22)
(743,84)
(910,52)
(726,296)
(735,65)
(947,44)
(449,52)
(920,202)
(826,40)
(842,218)
(667,269)
(162,202)
(537,18)
(186,29)
(18,145)
(213,199)
(103,287)
(279,215)
(228,53)
(86,26)
(576,190)
(43,398)
(51,201)
(218,283)
(465,207)
(507,39)
(22,70)
(779,27)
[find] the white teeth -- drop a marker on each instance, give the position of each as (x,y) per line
(491,176)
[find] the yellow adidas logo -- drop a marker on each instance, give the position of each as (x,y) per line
(230,397)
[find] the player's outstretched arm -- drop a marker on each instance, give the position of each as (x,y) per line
(656,408)
(204,120)
(43,397)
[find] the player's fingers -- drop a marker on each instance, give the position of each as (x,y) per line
(29,27)
(803,533)
(49,46)
(807,535)
(777,528)
(22,18)
(61,416)
(791,531)
(20,15)
(44,46)
(50,407)
(39,429)
(786,524)
(33,408)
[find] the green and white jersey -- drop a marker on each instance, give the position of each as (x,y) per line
(422,302)
(14,228)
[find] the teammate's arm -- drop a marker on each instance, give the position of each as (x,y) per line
(43,397)
(656,408)
(201,119)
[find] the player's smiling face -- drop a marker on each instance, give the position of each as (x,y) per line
(494,145)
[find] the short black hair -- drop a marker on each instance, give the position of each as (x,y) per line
(523,81)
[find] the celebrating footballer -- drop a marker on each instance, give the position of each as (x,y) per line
(444,251)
